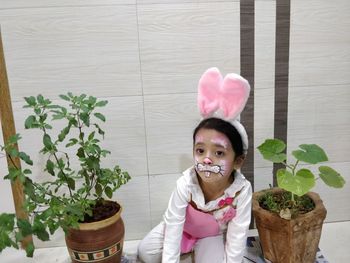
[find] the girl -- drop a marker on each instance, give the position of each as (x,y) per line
(210,209)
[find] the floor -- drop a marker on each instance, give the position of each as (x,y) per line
(334,245)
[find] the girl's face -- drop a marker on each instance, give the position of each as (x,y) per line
(213,155)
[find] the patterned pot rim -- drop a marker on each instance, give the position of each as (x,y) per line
(101,223)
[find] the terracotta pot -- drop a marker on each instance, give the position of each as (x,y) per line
(100,241)
(289,241)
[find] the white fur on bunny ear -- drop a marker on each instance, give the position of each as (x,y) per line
(234,95)
(208,91)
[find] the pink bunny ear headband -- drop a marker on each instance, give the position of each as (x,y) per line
(224,98)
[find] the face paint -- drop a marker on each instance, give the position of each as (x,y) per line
(213,155)
(221,140)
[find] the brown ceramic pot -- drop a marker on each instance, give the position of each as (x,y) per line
(100,241)
(289,241)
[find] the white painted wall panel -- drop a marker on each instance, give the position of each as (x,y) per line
(94,49)
(178,42)
(170,121)
(265,17)
(321,115)
(25,4)
(319,43)
(161,187)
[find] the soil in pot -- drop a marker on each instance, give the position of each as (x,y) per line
(281,201)
(102,210)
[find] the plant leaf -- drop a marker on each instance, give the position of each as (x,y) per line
(299,184)
(64,97)
(101,103)
(272,150)
(100,116)
(25,158)
(331,177)
(310,153)
(30,100)
(29,121)
(50,167)
(109,192)
(47,141)
(30,250)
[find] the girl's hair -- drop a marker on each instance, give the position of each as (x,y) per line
(225,128)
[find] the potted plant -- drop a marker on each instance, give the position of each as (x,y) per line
(75,200)
(289,218)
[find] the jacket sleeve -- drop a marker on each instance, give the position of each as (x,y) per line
(174,219)
(237,230)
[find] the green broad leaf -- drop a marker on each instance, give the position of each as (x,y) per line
(58,116)
(47,142)
(31,101)
(24,226)
(331,177)
(42,117)
(27,171)
(98,189)
(310,153)
(14,139)
(81,153)
(100,131)
(72,142)
(272,150)
(50,166)
(53,227)
(71,183)
(40,231)
(100,116)
(63,134)
(13,152)
(85,118)
(92,100)
(93,162)
(24,157)
(13,174)
(64,97)
(7,222)
(30,250)
(29,122)
(40,99)
(300,184)
(91,136)
(108,192)
(101,103)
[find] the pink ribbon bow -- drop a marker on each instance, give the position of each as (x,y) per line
(226,201)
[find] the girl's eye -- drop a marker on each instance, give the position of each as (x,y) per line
(199,151)
(219,153)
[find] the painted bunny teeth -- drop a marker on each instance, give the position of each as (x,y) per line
(208,168)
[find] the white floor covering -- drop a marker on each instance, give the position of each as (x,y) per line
(334,244)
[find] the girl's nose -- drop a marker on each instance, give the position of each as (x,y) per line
(207,160)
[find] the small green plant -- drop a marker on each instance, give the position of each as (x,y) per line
(69,196)
(297,182)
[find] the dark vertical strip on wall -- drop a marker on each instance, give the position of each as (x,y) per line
(247,71)
(281,72)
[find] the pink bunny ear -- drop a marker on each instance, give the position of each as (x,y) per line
(209,91)
(234,95)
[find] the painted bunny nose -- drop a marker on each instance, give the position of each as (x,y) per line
(207,160)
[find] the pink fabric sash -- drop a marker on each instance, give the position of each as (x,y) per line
(197,225)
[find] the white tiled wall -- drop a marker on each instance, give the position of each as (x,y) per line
(146,57)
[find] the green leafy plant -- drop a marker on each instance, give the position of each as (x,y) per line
(297,182)
(69,196)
